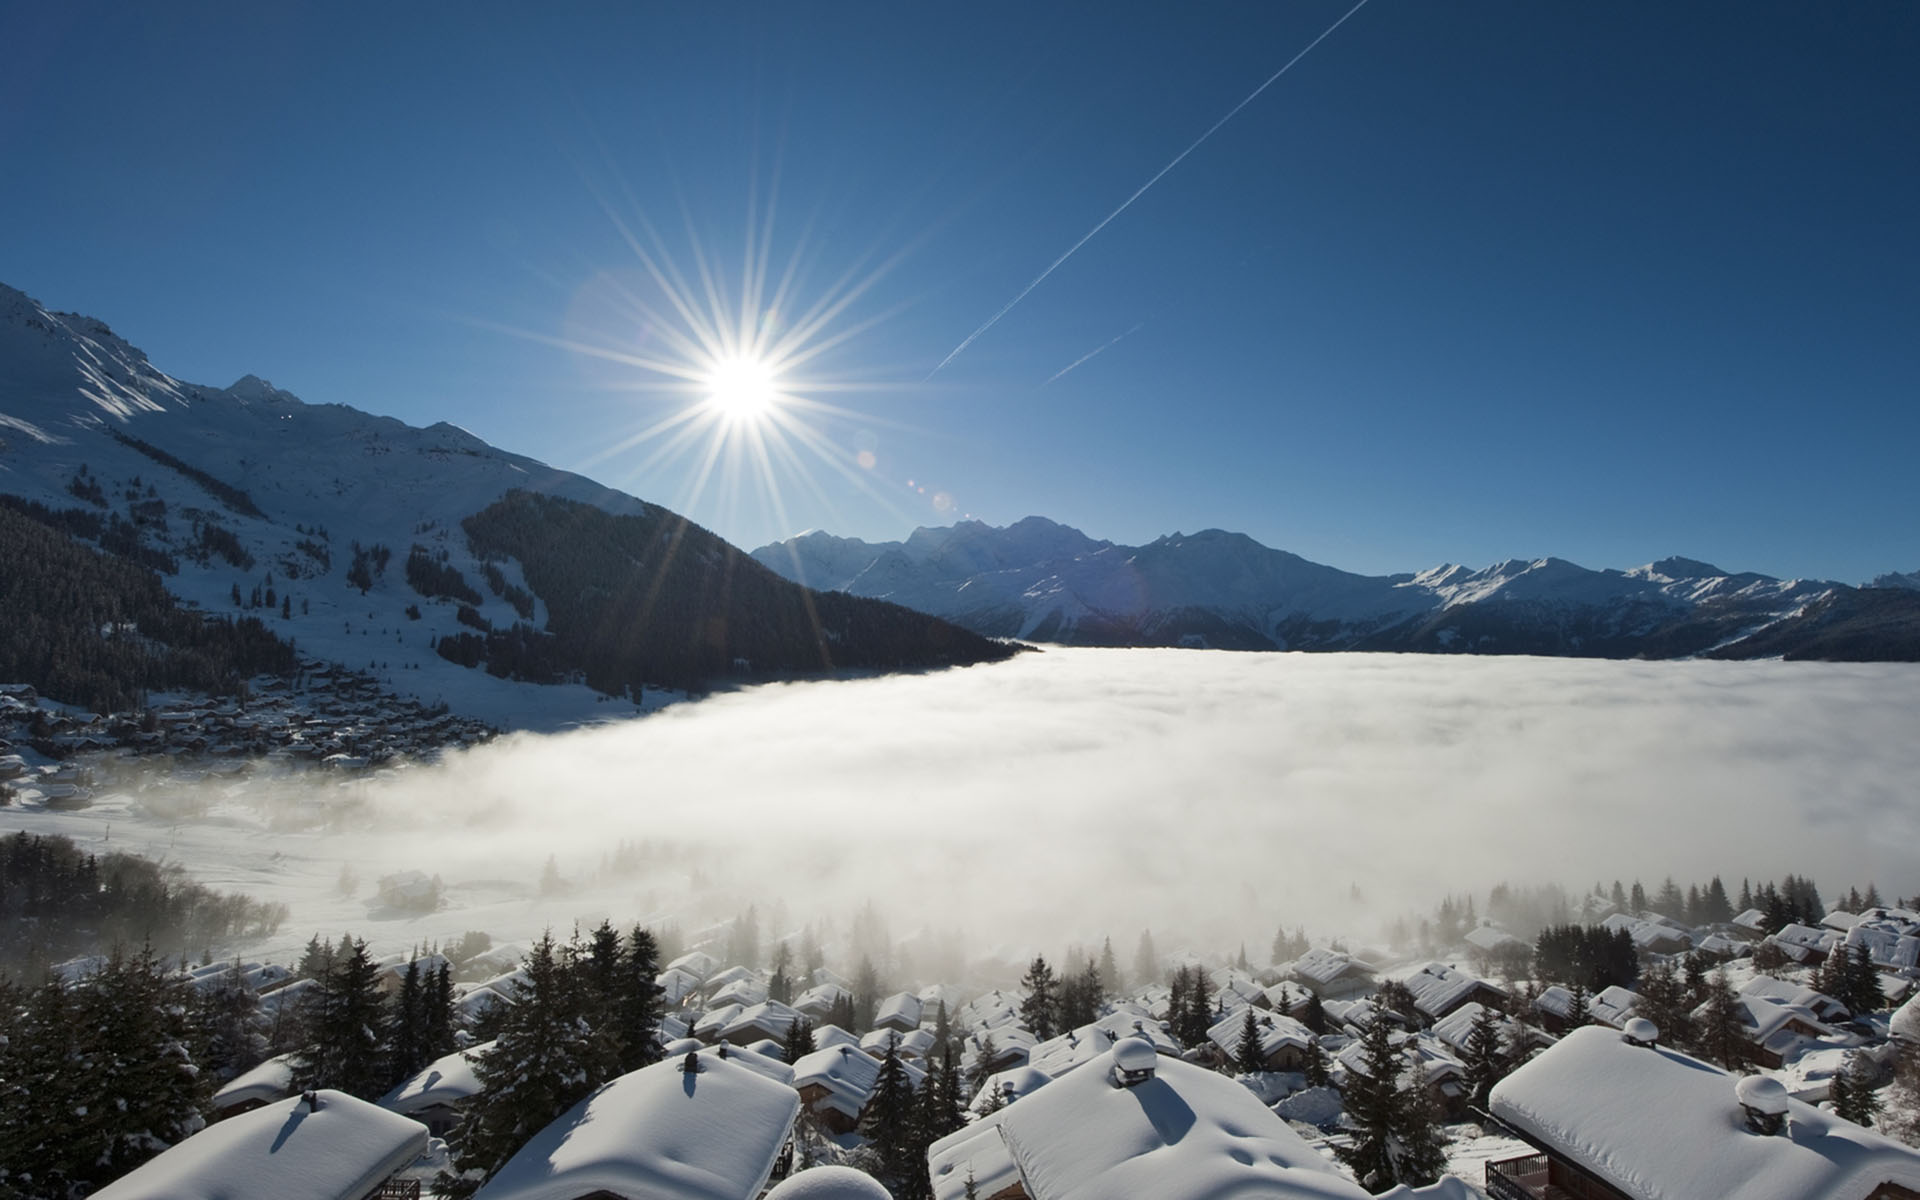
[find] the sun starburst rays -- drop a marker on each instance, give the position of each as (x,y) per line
(731,370)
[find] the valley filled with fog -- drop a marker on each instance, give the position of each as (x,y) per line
(1067,795)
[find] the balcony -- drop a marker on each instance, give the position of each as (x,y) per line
(1523,1178)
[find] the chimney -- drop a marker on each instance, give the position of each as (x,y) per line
(1764,1101)
(312,1099)
(1640,1032)
(1134,1061)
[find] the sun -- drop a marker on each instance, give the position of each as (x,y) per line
(742,389)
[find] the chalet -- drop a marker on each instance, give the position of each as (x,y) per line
(1616,1116)
(1904,1025)
(769,1019)
(1775,1030)
(1133,1123)
(1823,1007)
(1456,1028)
(997,1049)
(676,985)
(911,1045)
(832,1035)
(1004,1087)
(818,1002)
(1056,1056)
(1806,944)
(1438,989)
(698,1125)
(1892,939)
(710,1025)
(321,1146)
(899,1012)
(1125,1022)
(1611,1005)
(1332,974)
(1653,934)
(834,1085)
(270,1081)
(433,1095)
(1284,1041)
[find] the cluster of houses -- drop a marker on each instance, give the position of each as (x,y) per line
(1119,1106)
(329,717)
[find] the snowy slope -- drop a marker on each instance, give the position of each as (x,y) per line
(1040,580)
(71,391)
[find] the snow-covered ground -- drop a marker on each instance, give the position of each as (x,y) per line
(1076,794)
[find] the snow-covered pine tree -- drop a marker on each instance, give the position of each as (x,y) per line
(1717,1032)
(1040,1009)
(1663,1000)
(346,1029)
(231,1025)
(1371,1098)
(547,1058)
(141,1089)
(1853,1097)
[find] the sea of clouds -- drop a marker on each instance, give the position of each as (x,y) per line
(1074,794)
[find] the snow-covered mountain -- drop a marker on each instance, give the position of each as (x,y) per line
(1040,580)
(1898,579)
(246,489)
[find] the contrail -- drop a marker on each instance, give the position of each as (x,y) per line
(1042,277)
(1089,354)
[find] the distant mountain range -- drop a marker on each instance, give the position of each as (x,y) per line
(1047,582)
(453,570)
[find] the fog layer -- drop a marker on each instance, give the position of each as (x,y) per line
(1075,793)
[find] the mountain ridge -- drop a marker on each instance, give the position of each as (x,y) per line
(1225,589)
(250,501)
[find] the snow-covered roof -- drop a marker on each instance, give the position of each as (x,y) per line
(1457,1026)
(1056,1056)
(445,1081)
(1487,937)
(1125,1023)
(1752,920)
(697,963)
(1321,965)
(1661,1125)
(767,1018)
(832,1035)
(820,998)
(1821,1005)
(1274,1031)
(658,1134)
(345,1147)
(1008,1085)
(1905,1022)
(902,1009)
(1185,1132)
(829,1183)
(845,1073)
(267,1082)
(1438,988)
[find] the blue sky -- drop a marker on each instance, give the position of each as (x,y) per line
(1471,281)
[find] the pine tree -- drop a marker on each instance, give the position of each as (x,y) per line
(1861,982)
(983,1067)
(437,1022)
(1110,969)
(1485,1062)
(866,995)
(408,1022)
(638,1003)
(1852,1094)
(1314,1015)
(1396,1134)
(1637,898)
(780,983)
(887,1120)
(1146,961)
(1718,1032)
(346,1029)
(1663,1000)
(1318,1071)
(547,1058)
(799,1040)
(141,1089)
(1246,1055)
(231,1025)
(1040,1009)
(1719,908)
(1695,968)
(40,1089)
(1578,1013)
